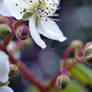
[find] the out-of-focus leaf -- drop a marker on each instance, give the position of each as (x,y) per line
(31,89)
(72,87)
(82,73)
(75,87)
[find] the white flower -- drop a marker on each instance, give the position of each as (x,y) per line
(4,11)
(4,71)
(40,21)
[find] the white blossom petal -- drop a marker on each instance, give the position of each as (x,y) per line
(4,67)
(51,30)
(52,1)
(6,89)
(16,7)
(3,9)
(34,33)
(56,1)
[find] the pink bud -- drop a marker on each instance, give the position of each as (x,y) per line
(22,32)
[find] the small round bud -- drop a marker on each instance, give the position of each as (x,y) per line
(13,71)
(88,53)
(77,44)
(22,32)
(4,31)
(62,81)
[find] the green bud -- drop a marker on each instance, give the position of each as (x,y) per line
(62,81)
(13,71)
(88,53)
(77,44)
(4,31)
(22,32)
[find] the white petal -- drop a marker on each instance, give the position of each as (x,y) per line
(4,67)
(52,4)
(34,33)
(16,7)
(51,30)
(56,1)
(6,89)
(3,9)
(52,1)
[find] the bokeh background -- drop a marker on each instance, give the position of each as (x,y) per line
(76,24)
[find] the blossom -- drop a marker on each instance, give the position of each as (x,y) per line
(4,71)
(39,14)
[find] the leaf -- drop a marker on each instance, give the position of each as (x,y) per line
(27,15)
(3,84)
(82,73)
(75,87)
(72,87)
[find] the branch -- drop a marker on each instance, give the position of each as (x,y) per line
(24,71)
(7,40)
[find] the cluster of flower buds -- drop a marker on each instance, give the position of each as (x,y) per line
(88,52)
(9,25)
(62,81)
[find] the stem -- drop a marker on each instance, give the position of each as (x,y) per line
(66,55)
(64,71)
(24,71)
(7,40)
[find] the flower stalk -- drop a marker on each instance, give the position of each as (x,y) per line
(27,74)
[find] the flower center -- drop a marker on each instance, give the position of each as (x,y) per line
(42,8)
(45,10)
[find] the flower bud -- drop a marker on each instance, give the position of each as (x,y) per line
(22,32)
(13,71)
(88,53)
(4,31)
(62,81)
(77,44)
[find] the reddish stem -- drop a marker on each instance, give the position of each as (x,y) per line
(64,71)
(24,71)
(7,40)
(66,55)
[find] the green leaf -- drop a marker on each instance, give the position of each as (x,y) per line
(27,15)
(3,84)
(72,87)
(75,87)
(82,73)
